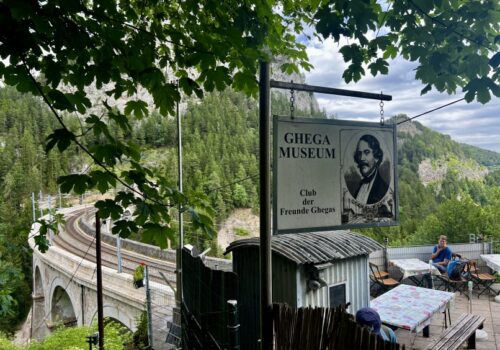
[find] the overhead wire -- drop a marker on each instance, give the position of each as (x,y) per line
(431,110)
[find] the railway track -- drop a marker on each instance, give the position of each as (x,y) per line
(74,240)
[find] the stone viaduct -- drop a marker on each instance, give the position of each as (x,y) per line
(64,291)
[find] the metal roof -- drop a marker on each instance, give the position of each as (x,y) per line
(315,247)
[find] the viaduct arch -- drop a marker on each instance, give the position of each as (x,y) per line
(64,291)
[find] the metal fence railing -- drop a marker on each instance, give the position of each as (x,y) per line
(471,251)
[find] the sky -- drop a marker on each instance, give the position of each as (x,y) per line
(472,123)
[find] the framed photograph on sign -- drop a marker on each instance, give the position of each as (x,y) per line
(368,184)
(331,174)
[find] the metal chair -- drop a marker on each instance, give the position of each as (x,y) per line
(455,285)
(483,281)
(377,273)
(385,283)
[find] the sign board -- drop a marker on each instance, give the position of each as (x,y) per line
(333,174)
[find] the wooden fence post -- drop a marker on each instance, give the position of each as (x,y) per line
(233,325)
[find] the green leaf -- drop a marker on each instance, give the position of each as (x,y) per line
(124,228)
(201,221)
(108,154)
(78,101)
(139,108)
(165,97)
(353,73)
(60,101)
(41,242)
(125,198)
(109,208)
(478,88)
(380,65)
(120,119)
(102,180)
(495,60)
(390,52)
(189,86)
(243,81)
(132,151)
(60,137)
(79,183)
(426,89)
(483,95)
(19,79)
(98,126)
(157,234)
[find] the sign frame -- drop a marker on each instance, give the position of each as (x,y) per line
(394,221)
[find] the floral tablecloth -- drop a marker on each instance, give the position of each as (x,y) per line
(413,267)
(492,260)
(411,307)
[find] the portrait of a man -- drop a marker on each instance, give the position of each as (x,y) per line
(368,157)
(367,194)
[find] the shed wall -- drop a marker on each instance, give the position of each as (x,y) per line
(354,272)
(284,281)
(246,265)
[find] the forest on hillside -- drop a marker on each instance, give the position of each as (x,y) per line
(220,147)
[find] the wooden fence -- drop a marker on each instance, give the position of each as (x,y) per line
(323,328)
(205,312)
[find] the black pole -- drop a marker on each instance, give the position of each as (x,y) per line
(266,321)
(83,303)
(327,90)
(100,315)
(233,326)
(386,260)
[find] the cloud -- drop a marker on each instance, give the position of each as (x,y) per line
(471,123)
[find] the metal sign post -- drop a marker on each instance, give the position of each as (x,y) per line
(265,85)
(148,306)
(266,302)
(100,305)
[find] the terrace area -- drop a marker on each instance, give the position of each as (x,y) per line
(484,305)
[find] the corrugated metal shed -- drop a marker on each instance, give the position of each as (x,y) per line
(315,247)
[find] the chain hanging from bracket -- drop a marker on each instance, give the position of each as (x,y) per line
(381,104)
(292,101)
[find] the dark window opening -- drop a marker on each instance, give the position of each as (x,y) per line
(337,295)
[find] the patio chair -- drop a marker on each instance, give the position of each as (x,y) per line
(377,273)
(386,283)
(452,285)
(483,281)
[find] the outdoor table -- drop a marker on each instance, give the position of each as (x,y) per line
(412,308)
(411,268)
(492,261)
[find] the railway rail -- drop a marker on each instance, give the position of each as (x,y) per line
(74,240)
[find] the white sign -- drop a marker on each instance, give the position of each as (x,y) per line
(331,174)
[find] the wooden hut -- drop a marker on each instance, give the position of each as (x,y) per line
(322,269)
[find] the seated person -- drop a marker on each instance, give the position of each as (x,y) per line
(369,317)
(456,267)
(441,254)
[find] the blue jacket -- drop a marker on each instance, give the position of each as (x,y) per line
(443,254)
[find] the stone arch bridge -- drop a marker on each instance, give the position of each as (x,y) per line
(64,289)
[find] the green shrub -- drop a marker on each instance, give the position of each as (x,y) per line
(140,337)
(241,232)
(6,344)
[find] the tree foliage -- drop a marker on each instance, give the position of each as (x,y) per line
(24,169)
(60,49)
(74,338)
(454,204)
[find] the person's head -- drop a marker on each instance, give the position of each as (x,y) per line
(369,317)
(368,155)
(442,241)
